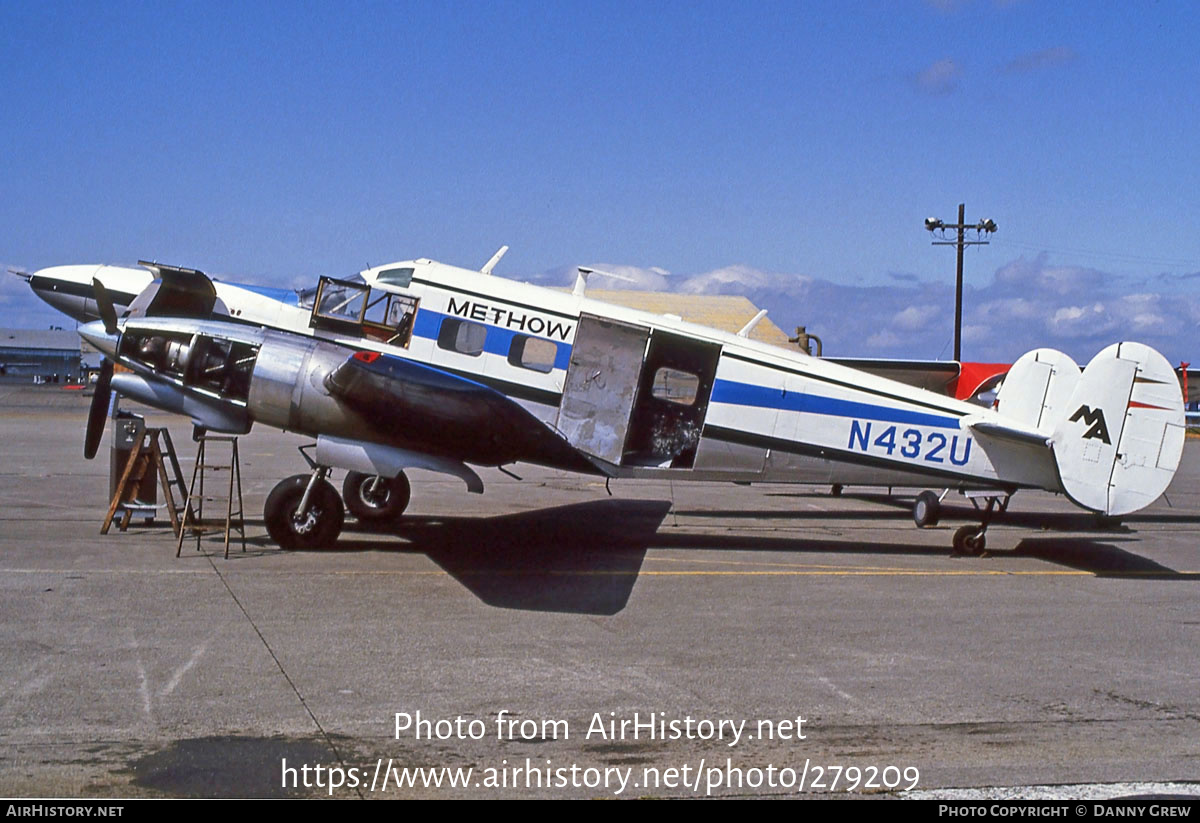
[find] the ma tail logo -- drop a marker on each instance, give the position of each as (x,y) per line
(1094,419)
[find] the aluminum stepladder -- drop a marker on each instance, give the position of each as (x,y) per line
(193,520)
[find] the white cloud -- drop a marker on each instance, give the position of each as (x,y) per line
(1043,59)
(1026,303)
(886,339)
(640,278)
(914,318)
(939,78)
(737,280)
(1150,323)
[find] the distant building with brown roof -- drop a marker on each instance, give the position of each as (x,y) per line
(725,312)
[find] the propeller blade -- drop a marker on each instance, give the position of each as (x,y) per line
(99,410)
(104,305)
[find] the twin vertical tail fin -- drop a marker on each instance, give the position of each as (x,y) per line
(1116,429)
(1120,442)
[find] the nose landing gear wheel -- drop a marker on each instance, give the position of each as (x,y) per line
(316,527)
(374,499)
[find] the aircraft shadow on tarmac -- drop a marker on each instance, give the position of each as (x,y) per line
(582,558)
(1100,558)
(1061,521)
(585,558)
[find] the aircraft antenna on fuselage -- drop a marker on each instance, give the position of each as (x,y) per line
(491,264)
(749,327)
(586,271)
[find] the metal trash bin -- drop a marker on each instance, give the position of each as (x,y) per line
(127,431)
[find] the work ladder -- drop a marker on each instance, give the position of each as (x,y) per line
(195,522)
(146,454)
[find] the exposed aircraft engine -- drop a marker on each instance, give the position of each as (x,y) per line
(227,377)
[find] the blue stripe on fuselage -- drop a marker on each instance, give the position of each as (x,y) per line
(497,341)
(746,394)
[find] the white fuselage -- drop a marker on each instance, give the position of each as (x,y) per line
(768,413)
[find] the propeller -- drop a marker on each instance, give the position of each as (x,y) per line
(99,410)
(104,305)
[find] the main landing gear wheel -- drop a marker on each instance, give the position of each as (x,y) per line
(926,509)
(373,499)
(970,541)
(316,527)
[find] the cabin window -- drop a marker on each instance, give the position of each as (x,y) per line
(396,277)
(532,353)
(675,386)
(462,336)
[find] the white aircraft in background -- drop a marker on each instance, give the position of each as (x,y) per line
(420,364)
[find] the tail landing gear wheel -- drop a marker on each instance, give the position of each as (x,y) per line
(318,527)
(374,499)
(969,541)
(926,509)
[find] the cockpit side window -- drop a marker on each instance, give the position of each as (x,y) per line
(396,277)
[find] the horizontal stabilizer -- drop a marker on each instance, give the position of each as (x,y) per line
(1009,432)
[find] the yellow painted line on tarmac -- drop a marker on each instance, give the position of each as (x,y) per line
(773,564)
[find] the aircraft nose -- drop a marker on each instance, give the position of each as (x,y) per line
(95,334)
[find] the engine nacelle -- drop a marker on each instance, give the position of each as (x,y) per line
(287,387)
(213,414)
(226,377)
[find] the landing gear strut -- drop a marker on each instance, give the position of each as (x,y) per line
(972,540)
(304,511)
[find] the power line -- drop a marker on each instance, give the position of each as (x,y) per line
(1103,255)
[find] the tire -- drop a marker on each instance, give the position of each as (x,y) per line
(927,509)
(382,506)
(968,541)
(321,526)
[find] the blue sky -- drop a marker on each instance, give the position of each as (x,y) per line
(788,151)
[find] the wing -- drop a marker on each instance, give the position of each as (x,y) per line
(959,380)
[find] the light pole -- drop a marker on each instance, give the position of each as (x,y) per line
(933,224)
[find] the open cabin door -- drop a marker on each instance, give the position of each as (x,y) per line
(601,386)
(672,401)
(635,397)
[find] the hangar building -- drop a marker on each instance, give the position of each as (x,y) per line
(41,356)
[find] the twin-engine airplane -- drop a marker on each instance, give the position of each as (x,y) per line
(422,365)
